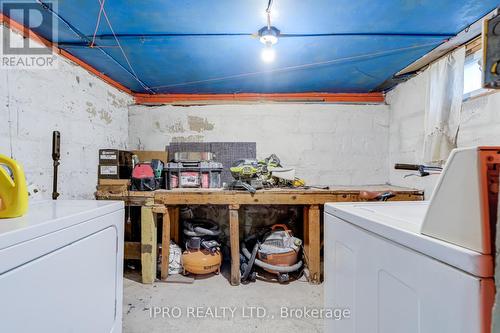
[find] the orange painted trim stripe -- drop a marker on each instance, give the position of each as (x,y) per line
(28,33)
(249,97)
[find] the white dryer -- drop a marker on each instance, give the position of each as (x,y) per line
(61,268)
(416,267)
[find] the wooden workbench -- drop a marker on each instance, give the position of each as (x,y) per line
(167,202)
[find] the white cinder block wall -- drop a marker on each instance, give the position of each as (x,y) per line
(327,144)
(89,113)
(480,125)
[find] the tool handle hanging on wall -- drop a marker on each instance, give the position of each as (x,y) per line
(423,170)
(56,155)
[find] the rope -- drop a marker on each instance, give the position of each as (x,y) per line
(121,48)
(97,23)
(87,40)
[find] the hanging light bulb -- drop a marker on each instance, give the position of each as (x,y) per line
(268,54)
(268,36)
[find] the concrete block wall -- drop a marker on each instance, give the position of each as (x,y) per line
(479,125)
(89,113)
(327,144)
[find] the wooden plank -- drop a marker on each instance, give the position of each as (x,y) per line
(159,209)
(314,234)
(305,230)
(259,198)
(148,244)
(286,197)
(114,182)
(189,99)
(165,244)
(148,155)
(174,224)
(113,189)
(144,194)
(242,198)
(132,250)
(234,240)
(333,189)
(129,197)
(407,197)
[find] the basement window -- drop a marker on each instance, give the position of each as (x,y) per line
(473,75)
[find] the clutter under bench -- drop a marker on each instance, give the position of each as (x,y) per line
(167,203)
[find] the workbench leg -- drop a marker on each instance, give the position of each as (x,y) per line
(312,242)
(305,230)
(174,224)
(148,244)
(165,244)
(234,237)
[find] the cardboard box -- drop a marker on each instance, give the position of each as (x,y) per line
(115,157)
(148,155)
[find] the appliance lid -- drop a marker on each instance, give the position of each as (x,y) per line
(47,216)
(401,223)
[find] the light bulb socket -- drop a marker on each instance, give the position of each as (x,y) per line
(269,35)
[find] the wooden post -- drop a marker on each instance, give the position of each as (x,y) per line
(234,237)
(305,230)
(165,244)
(174,224)
(314,243)
(148,243)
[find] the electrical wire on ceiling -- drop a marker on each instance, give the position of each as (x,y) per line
(268,13)
(302,66)
(269,5)
(88,41)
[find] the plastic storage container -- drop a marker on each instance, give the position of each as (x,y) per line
(203,174)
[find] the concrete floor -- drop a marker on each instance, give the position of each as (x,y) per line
(200,306)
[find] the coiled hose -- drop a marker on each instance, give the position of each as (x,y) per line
(200,228)
(265,265)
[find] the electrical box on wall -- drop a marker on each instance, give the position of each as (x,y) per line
(491,52)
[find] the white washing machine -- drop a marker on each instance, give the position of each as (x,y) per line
(414,266)
(61,268)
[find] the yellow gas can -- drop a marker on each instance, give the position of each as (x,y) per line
(13,189)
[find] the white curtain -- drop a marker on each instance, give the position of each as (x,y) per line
(443,106)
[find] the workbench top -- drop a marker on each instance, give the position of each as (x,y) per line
(331,189)
(278,196)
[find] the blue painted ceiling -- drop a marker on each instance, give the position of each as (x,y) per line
(209,46)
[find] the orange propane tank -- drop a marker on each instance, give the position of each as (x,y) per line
(201,261)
